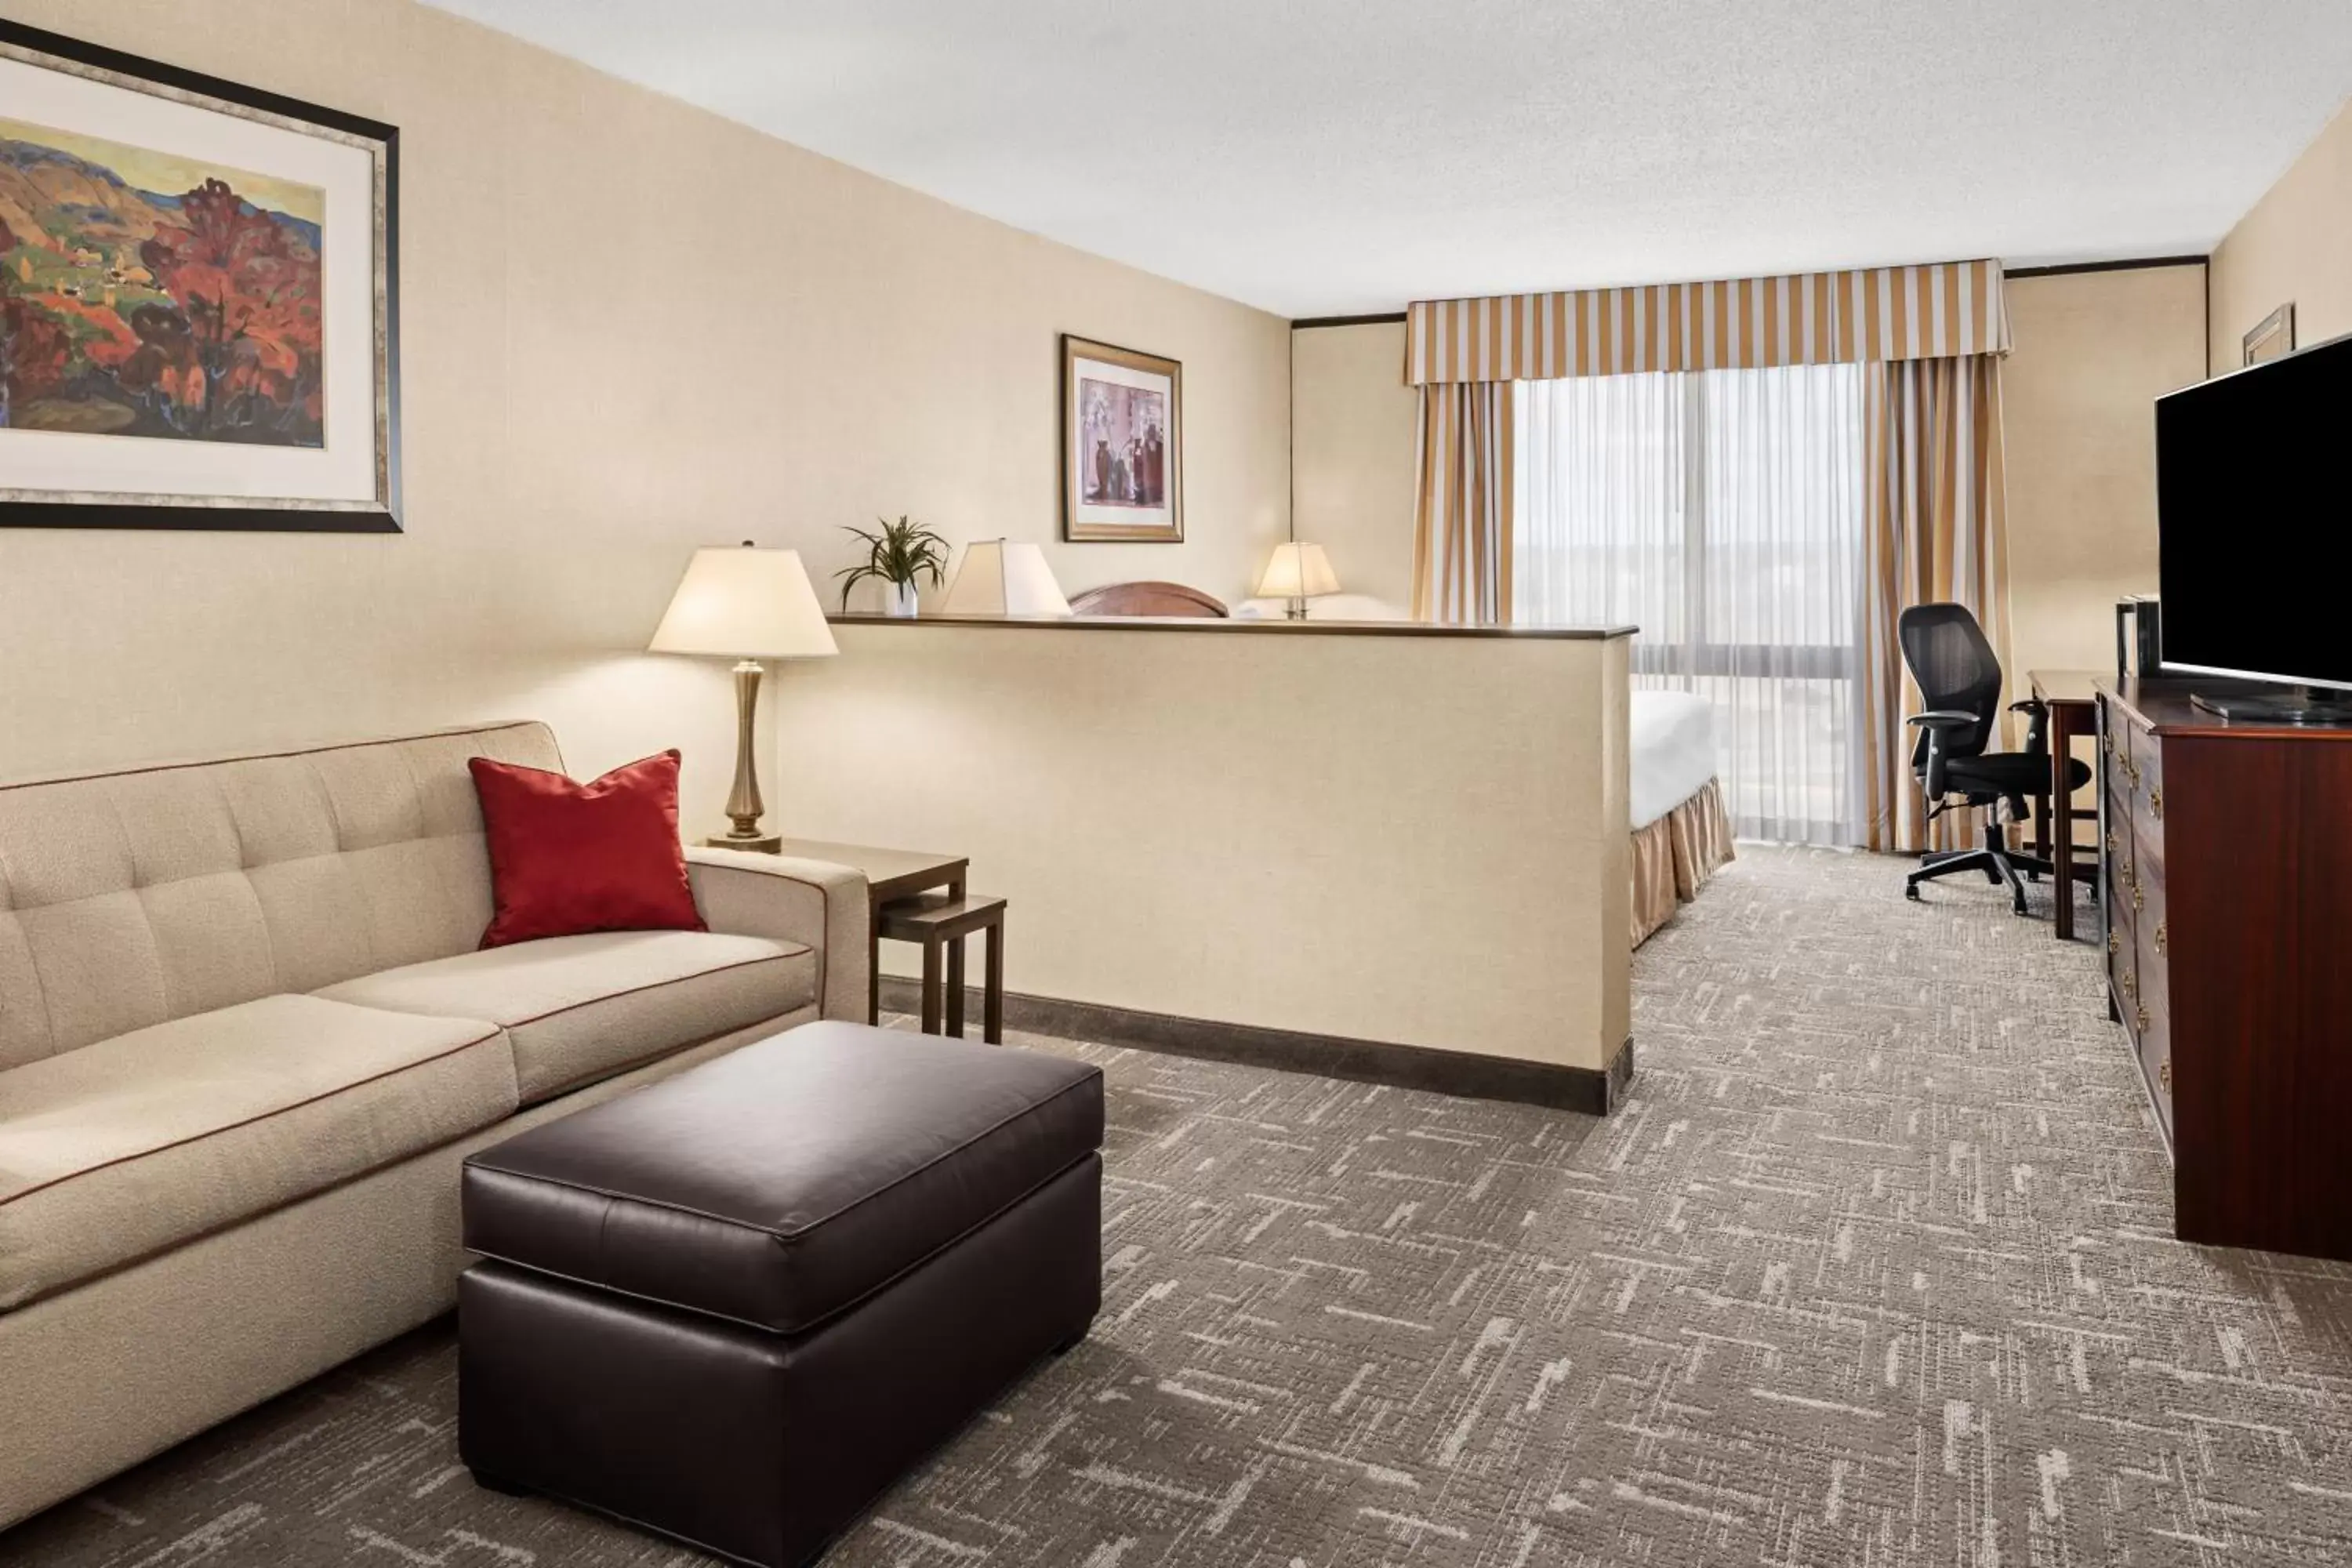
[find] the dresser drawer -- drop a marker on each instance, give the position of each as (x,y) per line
(2123,956)
(2150,1005)
(2151,934)
(2153,1043)
(2148,800)
(2115,761)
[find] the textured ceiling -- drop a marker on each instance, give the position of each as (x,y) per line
(1324,156)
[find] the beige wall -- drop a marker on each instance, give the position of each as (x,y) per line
(2093,351)
(820,346)
(1412,839)
(1352,423)
(2295,245)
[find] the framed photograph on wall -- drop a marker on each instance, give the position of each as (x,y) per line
(2272,337)
(199,316)
(1122,444)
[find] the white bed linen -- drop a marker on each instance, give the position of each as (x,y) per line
(1673,742)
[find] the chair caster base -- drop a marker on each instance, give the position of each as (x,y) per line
(1912,893)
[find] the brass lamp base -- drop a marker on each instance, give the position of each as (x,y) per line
(758,844)
(743,803)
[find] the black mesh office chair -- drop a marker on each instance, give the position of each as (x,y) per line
(1953,662)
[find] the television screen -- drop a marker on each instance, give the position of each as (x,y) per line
(2252,520)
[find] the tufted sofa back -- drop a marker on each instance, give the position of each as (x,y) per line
(131,898)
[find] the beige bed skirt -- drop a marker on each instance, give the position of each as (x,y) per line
(1675,856)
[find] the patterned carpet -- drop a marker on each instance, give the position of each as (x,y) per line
(1873,1269)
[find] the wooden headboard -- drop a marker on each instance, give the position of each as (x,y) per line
(1146,599)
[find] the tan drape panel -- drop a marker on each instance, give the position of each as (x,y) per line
(1872,315)
(1935,521)
(1462,512)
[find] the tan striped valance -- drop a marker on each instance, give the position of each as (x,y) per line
(1879,313)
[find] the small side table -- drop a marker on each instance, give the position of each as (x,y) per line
(891,875)
(941,922)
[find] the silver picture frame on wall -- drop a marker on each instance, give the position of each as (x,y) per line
(2272,337)
(199,301)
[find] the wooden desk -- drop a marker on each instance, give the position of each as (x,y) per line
(2072,697)
(891,875)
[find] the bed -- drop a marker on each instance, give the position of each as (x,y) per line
(1682,834)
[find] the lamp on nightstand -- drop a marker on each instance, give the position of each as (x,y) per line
(746,605)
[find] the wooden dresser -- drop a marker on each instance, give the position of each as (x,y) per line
(2226,857)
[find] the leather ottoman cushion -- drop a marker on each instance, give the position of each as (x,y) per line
(786,1182)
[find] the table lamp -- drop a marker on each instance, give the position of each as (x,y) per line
(1004,577)
(1297,572)
(746,604)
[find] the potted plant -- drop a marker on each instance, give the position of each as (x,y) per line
(897,555)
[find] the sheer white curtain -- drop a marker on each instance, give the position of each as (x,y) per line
(1722,512)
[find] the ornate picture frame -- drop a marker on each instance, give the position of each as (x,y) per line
(1122,445)
(199,301)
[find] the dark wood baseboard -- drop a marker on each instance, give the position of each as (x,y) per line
(1594,1092)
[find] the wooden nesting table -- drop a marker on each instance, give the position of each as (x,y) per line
(918,897)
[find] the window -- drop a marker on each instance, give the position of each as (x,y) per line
(1721,511)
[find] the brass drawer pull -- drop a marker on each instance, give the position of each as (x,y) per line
(2139,894)
(2131,983)
(2160,935)
(2143,1018)
(2164,1074)
(2156,803)
(2111,840)
(2115,944)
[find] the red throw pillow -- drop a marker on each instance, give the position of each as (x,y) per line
(570,857)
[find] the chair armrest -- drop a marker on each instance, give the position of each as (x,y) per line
(2037,728)
(1931,775)
(815,903)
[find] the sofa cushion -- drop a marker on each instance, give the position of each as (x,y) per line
(121,1149)
(580,1008)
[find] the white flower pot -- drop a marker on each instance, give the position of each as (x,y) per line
(898,600)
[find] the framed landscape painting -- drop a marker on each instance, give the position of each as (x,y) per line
(1122,444)
(198,300)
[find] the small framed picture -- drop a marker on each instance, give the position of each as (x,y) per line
(199,308)
(2273,336)
(1122,444)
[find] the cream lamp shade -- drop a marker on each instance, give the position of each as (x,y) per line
(745,603)
(1297,572)
(1004,577)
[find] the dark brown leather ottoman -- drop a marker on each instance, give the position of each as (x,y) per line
(735,1306)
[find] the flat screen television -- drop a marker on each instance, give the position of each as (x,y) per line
(2254,533)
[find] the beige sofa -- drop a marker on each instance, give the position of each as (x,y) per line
(245,1040)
